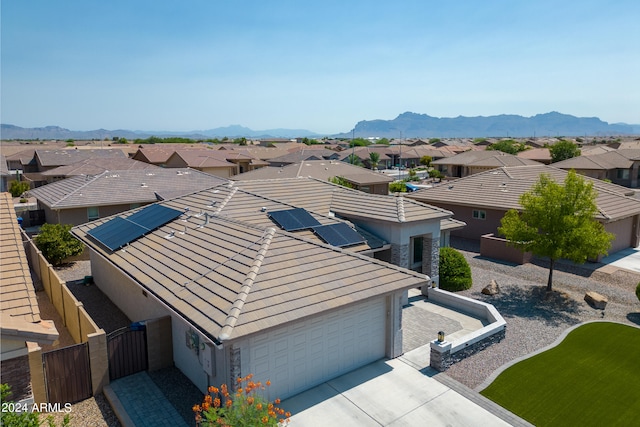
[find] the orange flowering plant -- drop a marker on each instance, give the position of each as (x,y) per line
(245,407)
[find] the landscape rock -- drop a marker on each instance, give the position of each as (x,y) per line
(596,300)
(492,288)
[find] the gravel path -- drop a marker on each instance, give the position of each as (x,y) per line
(535,319)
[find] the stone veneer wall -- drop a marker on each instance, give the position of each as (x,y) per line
(441,357)
(431,258)
(400,255)
(15,372)
(235,369)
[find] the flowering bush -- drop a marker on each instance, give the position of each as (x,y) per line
(246,407)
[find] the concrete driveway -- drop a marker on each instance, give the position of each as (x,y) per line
(392,393)
(628,259)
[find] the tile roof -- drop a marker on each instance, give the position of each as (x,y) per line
(485,158)
(49,158)
(96,166)
(501,188)
(617,159)
(320,169)
(304,155)
(122,187)
(231,279)
(17,295)
(4,169)
(323,197)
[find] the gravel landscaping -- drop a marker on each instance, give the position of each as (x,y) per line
(535,319)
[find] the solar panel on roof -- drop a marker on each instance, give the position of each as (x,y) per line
(154,216)
(119,231)
(294,219)
(339,235)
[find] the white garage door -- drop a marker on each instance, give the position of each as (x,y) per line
(298,357)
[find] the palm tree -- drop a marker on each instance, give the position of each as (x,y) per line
(374,158)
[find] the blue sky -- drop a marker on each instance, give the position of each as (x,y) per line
(321,66)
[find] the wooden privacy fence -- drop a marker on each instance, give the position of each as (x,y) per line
(127,349)
(67,374)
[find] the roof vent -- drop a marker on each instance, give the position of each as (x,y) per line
(179,172)
(263,209)
(171,235)
(212,204)
(450,187)
(206,220)
(143,185)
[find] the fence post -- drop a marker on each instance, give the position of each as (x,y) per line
(99,360)
(36,369)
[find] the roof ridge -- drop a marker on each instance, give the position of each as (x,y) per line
(400,205)
(75,190)
(247,284)
(226,200)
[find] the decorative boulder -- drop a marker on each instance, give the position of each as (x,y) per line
(492,288)
(596,300)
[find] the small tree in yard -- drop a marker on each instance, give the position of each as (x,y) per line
(557,221)
(57,244)
(454,270)
(17,188)
(374,159)
(563,150)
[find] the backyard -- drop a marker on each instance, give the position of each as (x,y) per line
(590,378)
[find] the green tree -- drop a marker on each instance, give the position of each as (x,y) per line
(454,270)
(374,159)
(557,221)
(341,181)
(359,142)
(563,150)
(57,244)
(508,146)
(398,187)
(383,141)
(17,188)
(354,160)
(426,160)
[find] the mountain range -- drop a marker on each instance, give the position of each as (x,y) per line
(406,125)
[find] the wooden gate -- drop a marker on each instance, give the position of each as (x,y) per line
(67,374)
(127,349)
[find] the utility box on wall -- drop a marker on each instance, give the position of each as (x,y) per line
(208,360)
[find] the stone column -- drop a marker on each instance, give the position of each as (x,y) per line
(394,308)
(430,259)
(235,366)
(400,255)
(440,357)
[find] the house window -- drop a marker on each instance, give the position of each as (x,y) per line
(93,213)
(479,214)
(623,173)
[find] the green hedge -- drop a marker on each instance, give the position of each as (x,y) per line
(455,273)
(638,291)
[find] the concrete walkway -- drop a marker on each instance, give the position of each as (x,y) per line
(398,392)
(138,402)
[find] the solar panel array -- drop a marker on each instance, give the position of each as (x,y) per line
(339,234)
(294,219)
(119,231)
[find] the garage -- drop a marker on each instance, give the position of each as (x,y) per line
(311,351)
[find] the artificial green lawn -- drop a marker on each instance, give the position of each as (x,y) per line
(591,379)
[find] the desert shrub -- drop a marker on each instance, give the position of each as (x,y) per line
(17,188)
(398,187)
(455,273)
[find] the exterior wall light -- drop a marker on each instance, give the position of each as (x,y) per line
(441,336)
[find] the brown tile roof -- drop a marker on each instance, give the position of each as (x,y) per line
(4,169)
(122,187)
(17,295)
(49,158)
(320,169)
(231,279)
(501,188)
(96,166)
(538,154)
(484,158)
(323,197)
(617,159)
